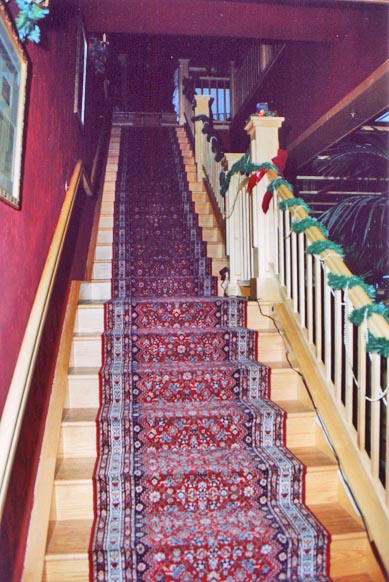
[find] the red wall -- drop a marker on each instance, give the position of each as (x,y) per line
(53,143)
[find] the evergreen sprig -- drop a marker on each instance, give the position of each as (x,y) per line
(319,246)
(338,282)
(292,202)
(357,316)
(305,223)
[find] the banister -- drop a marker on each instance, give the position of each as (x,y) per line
(377,324)
(14,408)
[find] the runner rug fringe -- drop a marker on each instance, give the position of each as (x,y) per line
(192,482)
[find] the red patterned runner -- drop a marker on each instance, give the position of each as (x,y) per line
(193,482)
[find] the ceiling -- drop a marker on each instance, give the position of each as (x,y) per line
(288,20)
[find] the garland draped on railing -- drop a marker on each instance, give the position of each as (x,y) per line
(302,223)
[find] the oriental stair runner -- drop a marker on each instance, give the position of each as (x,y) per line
(192,482)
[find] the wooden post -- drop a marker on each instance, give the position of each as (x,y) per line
(183,73)
(263,132)
(201,108)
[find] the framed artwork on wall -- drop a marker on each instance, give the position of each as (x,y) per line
(80,80)
(13,77)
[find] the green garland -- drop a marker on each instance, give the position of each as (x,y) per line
(277,182)
(319,246)
(291,202)
(302,225)
(243,166)
(357,316)
(338,282)
(380,345)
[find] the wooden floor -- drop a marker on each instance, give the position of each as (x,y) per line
(64,555)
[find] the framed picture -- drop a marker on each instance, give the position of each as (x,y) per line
(80,81)
(13,77)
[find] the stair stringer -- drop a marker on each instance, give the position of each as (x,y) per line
(351,555)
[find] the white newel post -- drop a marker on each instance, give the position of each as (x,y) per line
(201,108)
(263,132)
(183,73)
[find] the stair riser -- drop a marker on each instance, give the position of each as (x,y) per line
(212,235)
(207,220)
(102,270)
(104,236)
(271,350)
(300,430)
(285,384)
(107,207)
(86,352)
(321,485)
(260,317)
(77,440)
(196,186)
(106,221)
(348,555)
(82,392)
(216,250)
(97,291)
(74,569)
(103,252)
(89,319)
(199,197)
(202,207)
(73,500)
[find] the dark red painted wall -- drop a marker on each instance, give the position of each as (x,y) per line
(53,143)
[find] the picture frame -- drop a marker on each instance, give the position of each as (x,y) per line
(13,82)
(80,79)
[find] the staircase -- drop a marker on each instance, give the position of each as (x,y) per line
(72,497)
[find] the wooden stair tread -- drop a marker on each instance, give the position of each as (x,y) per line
(353,578)
(71,415)
(83,371)
(295,407)
(338,522)
(313,457)
(75,469)
(68,537)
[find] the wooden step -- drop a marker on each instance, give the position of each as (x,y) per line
(218,264)
(203,207)
(106,221)
(196,186)
(104,236)
(321,478)
(260,316)
(301,423)
(350,550)
(103,252)
(95,291)
(78,433)
(67,551)
(89,318)
(212,234)
(85,351)
(271,348)
(216,250)
(199,197)
(83,388)
(102,270)
(73,489)
(207,220)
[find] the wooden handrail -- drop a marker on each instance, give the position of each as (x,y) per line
(377,324)
(13,413)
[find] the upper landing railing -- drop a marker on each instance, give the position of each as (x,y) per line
(229,92)
(345,332)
